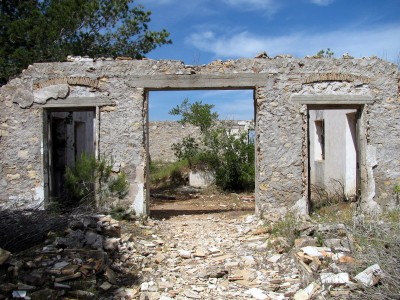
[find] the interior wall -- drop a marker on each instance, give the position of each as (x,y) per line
(339,164)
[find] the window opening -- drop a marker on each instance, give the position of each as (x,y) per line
(320,140)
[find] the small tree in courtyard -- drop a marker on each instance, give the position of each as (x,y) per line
(230,156)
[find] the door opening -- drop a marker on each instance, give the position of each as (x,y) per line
(70,134)
(333,155)
(199,139)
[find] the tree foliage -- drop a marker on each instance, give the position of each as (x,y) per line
(230,156)
(49,30)
(197,114)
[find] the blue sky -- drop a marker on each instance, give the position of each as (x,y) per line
(205,30)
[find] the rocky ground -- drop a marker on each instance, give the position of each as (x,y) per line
(195,246)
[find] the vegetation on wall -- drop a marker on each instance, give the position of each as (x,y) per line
(328,53)
(50,30)
(230,156)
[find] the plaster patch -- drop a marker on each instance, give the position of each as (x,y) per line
(369,204)
(138,203)
(23,98)
(51,92)
(300,208)
(39,194)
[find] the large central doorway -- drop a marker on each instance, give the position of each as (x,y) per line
(178,186)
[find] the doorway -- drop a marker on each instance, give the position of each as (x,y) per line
(333,152)
(68,135)
(182,178)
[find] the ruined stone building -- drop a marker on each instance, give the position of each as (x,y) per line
(315,119)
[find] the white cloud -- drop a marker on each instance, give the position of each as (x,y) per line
(270,6)
(378,41)
(322,2)
(236,109)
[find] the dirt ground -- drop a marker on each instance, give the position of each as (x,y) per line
(166,204)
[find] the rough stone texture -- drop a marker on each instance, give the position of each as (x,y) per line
(163,134)
(280,146)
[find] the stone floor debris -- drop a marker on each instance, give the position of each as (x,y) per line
(230,254)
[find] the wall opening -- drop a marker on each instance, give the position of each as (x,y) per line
(319,136)
(187,191)
(333,155)
(68,134)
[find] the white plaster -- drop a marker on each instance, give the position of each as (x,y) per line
(138,202)
(350,182)
(339,164)
(39,194)
(300,208)
(369,204)
(201,178)
(371,156)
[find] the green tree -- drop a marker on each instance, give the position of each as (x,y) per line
(197,114)
(49,30)
(230,156)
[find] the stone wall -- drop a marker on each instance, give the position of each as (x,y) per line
(284,88)
(163,134)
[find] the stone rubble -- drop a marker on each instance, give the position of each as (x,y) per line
(215,257)
(208,256)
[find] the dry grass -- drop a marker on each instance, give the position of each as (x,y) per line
(376,241)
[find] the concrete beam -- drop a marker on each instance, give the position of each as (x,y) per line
(199,81)
(332,99)
(78,102)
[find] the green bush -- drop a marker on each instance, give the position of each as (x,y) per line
(229,156)
(81,181)
(188,149)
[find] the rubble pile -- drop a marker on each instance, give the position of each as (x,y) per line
(75,265)
(324,254)
(215,257)
(204,256)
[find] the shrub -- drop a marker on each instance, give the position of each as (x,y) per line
(81,181)
(229,156)
(322,196)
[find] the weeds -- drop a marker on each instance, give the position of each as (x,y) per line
(376,240)
(172,174)
(396,192)
(323,196)
(287,227)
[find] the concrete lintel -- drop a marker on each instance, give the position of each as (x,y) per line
(199,81)
(332,99)
(78,102)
